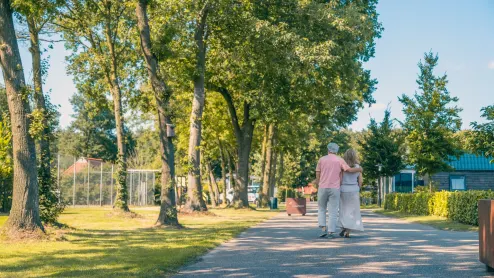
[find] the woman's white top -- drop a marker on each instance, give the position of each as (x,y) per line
(349,182)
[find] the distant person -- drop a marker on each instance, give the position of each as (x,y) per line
(350,218)
(328,179)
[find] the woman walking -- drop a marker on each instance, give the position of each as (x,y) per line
(350,218)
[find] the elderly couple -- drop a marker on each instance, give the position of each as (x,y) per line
(339,181)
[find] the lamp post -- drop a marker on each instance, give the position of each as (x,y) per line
(379,190)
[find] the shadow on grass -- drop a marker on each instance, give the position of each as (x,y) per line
(145,251)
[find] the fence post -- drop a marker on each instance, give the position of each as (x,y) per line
(146,192)
(88,166)
(101,185)
(73,184)
(139,188)
(111,186)
(154,186)
(131,181)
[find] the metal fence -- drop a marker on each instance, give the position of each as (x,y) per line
(91,181)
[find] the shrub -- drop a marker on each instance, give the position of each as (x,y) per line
(460,206)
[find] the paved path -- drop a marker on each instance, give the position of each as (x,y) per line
(289,247)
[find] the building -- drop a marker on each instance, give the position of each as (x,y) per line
(471,172)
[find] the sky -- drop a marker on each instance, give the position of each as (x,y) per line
(461,32)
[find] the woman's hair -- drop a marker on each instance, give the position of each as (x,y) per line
(351,157)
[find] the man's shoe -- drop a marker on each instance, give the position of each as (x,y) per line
(331,235)
(324,234)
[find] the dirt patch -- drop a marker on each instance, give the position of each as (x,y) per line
(15,235)
(123,214)
(197,213)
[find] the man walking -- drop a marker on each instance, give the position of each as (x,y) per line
(328,176)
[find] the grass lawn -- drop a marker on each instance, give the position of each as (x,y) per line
(101,246)
(437,222)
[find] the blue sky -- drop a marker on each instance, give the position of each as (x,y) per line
(460,31)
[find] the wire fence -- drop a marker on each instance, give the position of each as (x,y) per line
(91,182)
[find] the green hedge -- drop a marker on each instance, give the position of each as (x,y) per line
(460,206)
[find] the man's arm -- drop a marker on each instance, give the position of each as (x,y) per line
(354,170)
(318,176)
(346,168)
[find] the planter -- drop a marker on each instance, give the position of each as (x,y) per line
(486,233)
(296,206)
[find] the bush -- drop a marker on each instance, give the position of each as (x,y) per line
(460,206)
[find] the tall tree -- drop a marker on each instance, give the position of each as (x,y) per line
(24,215)
(195,201)
(168,211)
(273,55)
(431,121)
(482,136)
(99,33)
(39,15)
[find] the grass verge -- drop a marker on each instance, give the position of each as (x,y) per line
(97,245)
(437,222)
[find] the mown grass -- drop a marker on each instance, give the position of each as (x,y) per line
(97,245)
(437,222)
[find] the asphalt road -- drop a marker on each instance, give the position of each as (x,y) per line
(287,246)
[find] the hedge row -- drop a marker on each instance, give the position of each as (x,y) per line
(460,206)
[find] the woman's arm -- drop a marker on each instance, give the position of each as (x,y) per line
(360,180)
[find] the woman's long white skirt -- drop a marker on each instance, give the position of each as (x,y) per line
(350,217)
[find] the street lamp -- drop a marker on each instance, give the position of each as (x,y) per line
(379,190)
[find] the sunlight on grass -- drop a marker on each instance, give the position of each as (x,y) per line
(97,245)
(437,222)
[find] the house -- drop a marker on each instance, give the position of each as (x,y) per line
(81,165)
(471,172)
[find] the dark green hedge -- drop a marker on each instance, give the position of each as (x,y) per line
(460,206)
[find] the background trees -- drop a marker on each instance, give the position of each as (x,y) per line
(100,35)
(481,140)
(292,68)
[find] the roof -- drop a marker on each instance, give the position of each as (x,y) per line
(471,162)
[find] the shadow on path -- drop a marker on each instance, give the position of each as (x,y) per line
(289,247)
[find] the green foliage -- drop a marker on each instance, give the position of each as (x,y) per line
(92,133)
(482,135)
(6,164)
(431,121)
(460,206)
(381,145)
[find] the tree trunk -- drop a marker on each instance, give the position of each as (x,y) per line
(243,136)
(244,149)
(223,170)
(212,189)
(268,169)
(24,214)
(263,162)
(231,171)
(272,178)
(195,202)
(48,197)
(282,167)
(214,183)
(114,82)
(168,210)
